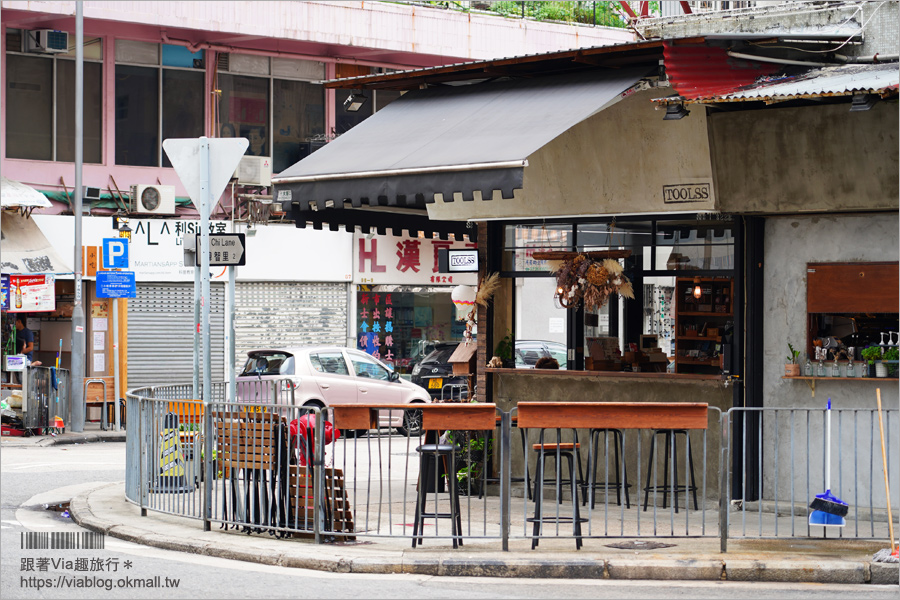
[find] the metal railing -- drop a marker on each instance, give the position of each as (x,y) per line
(282,469)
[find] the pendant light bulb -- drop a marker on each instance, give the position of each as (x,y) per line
(697,291)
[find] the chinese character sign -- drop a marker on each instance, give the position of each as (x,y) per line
(375,325)
(388,259)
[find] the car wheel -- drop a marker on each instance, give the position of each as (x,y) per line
(412,423)
(353,433)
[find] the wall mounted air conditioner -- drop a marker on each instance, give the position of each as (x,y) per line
(46,41)
(153,199)
(254,170)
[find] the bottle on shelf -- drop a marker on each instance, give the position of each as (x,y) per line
(836,367)
(808,368)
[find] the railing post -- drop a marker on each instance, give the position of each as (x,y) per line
(723,481)
(209,475)
(505,477)
(319,475)
(143,443)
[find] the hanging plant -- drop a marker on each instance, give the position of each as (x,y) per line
(592,281)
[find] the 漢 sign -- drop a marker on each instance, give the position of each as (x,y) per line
(116,284)
(115,253)
(225,250)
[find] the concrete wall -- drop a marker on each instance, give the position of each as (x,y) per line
(617,161)
(814,158)
(792,242)
(512,388)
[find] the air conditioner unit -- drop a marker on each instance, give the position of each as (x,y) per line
(153,199)
(254,170)
(46,41)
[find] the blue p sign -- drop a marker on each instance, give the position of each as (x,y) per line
(115,253)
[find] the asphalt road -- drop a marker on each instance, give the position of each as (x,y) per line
(34,476)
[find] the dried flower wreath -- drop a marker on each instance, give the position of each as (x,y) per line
(582,278)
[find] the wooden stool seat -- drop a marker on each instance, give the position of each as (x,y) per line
(565,446)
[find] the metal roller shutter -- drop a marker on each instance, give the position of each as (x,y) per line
(161,334)
(287,314)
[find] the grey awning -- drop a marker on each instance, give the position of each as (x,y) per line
(25,249)
(448,140)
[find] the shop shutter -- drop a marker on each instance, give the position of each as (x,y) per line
(161,334)
(288,314)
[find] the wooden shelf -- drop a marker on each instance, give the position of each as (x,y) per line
(699,338)
(717,292)
(569,254)
(705,314)
(811,381)
(712,362)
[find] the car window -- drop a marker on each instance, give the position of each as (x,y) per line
(440,355)
(329,362)
(560,354)
(269,364)
(367,367)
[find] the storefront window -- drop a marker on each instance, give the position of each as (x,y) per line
(244,111)
(400,324)
(651,332)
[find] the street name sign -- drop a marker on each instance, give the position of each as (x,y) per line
(225,250)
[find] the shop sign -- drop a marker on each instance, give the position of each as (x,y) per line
(32,293)
(687,192)
(388,259)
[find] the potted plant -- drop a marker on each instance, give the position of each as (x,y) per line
(871,355)
(504,351)
(792,367)
(891,355)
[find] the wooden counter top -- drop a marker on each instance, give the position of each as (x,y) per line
(608,374)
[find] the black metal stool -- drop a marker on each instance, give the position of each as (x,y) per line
(670,439)
(527,479)
(619,484)
(566,452)
(430,475)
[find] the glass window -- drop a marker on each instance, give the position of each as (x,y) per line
(65,111)
(400,325)
(364,366)
(182,105)
(137,116)
(33,102)
(329,362)
(29,107)
(520,242)
(694,245)
(299,115)
(244,111)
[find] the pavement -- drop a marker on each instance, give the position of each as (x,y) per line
(104,508)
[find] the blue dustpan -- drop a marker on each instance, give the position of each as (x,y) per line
(824,519)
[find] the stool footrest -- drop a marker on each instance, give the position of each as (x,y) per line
(552,447)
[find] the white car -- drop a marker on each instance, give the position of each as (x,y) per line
(327,375)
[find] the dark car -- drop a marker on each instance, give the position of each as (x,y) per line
(434,372)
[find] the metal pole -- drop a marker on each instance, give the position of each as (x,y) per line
(506,477)
(115,339)
(204,326)
(725,425)
(196,328)
(77,390)
(229,336)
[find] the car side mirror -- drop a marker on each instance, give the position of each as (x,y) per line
(395,376)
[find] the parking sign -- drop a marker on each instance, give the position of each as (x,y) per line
(115,253)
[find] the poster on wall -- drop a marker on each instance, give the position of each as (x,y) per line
(32,293)
(4,292)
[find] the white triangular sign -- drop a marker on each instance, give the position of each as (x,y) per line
(224,156)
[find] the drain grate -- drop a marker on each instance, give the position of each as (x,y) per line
(636,545)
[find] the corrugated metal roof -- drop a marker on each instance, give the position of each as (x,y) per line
(700,70)
(843,80)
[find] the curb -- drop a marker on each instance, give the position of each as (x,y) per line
(586,567)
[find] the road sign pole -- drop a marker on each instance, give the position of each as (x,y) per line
(204,325)
(229,334)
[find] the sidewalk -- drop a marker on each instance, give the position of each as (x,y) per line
(104,509)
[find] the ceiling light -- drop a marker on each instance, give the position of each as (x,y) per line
(355,101)
(863,102)
(676,111)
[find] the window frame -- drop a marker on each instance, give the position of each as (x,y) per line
(54,92)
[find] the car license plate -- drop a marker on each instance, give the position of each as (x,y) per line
(435,383)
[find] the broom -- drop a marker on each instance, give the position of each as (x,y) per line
(827,509)
(892,555)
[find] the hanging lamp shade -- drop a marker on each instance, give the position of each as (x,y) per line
(463,297)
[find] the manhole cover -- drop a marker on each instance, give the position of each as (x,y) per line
(636,545)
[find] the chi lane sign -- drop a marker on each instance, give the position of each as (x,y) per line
(225,250)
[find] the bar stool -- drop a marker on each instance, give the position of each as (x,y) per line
(670,435)
(429,474)
(527,479)
(566,453)
(619,484)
